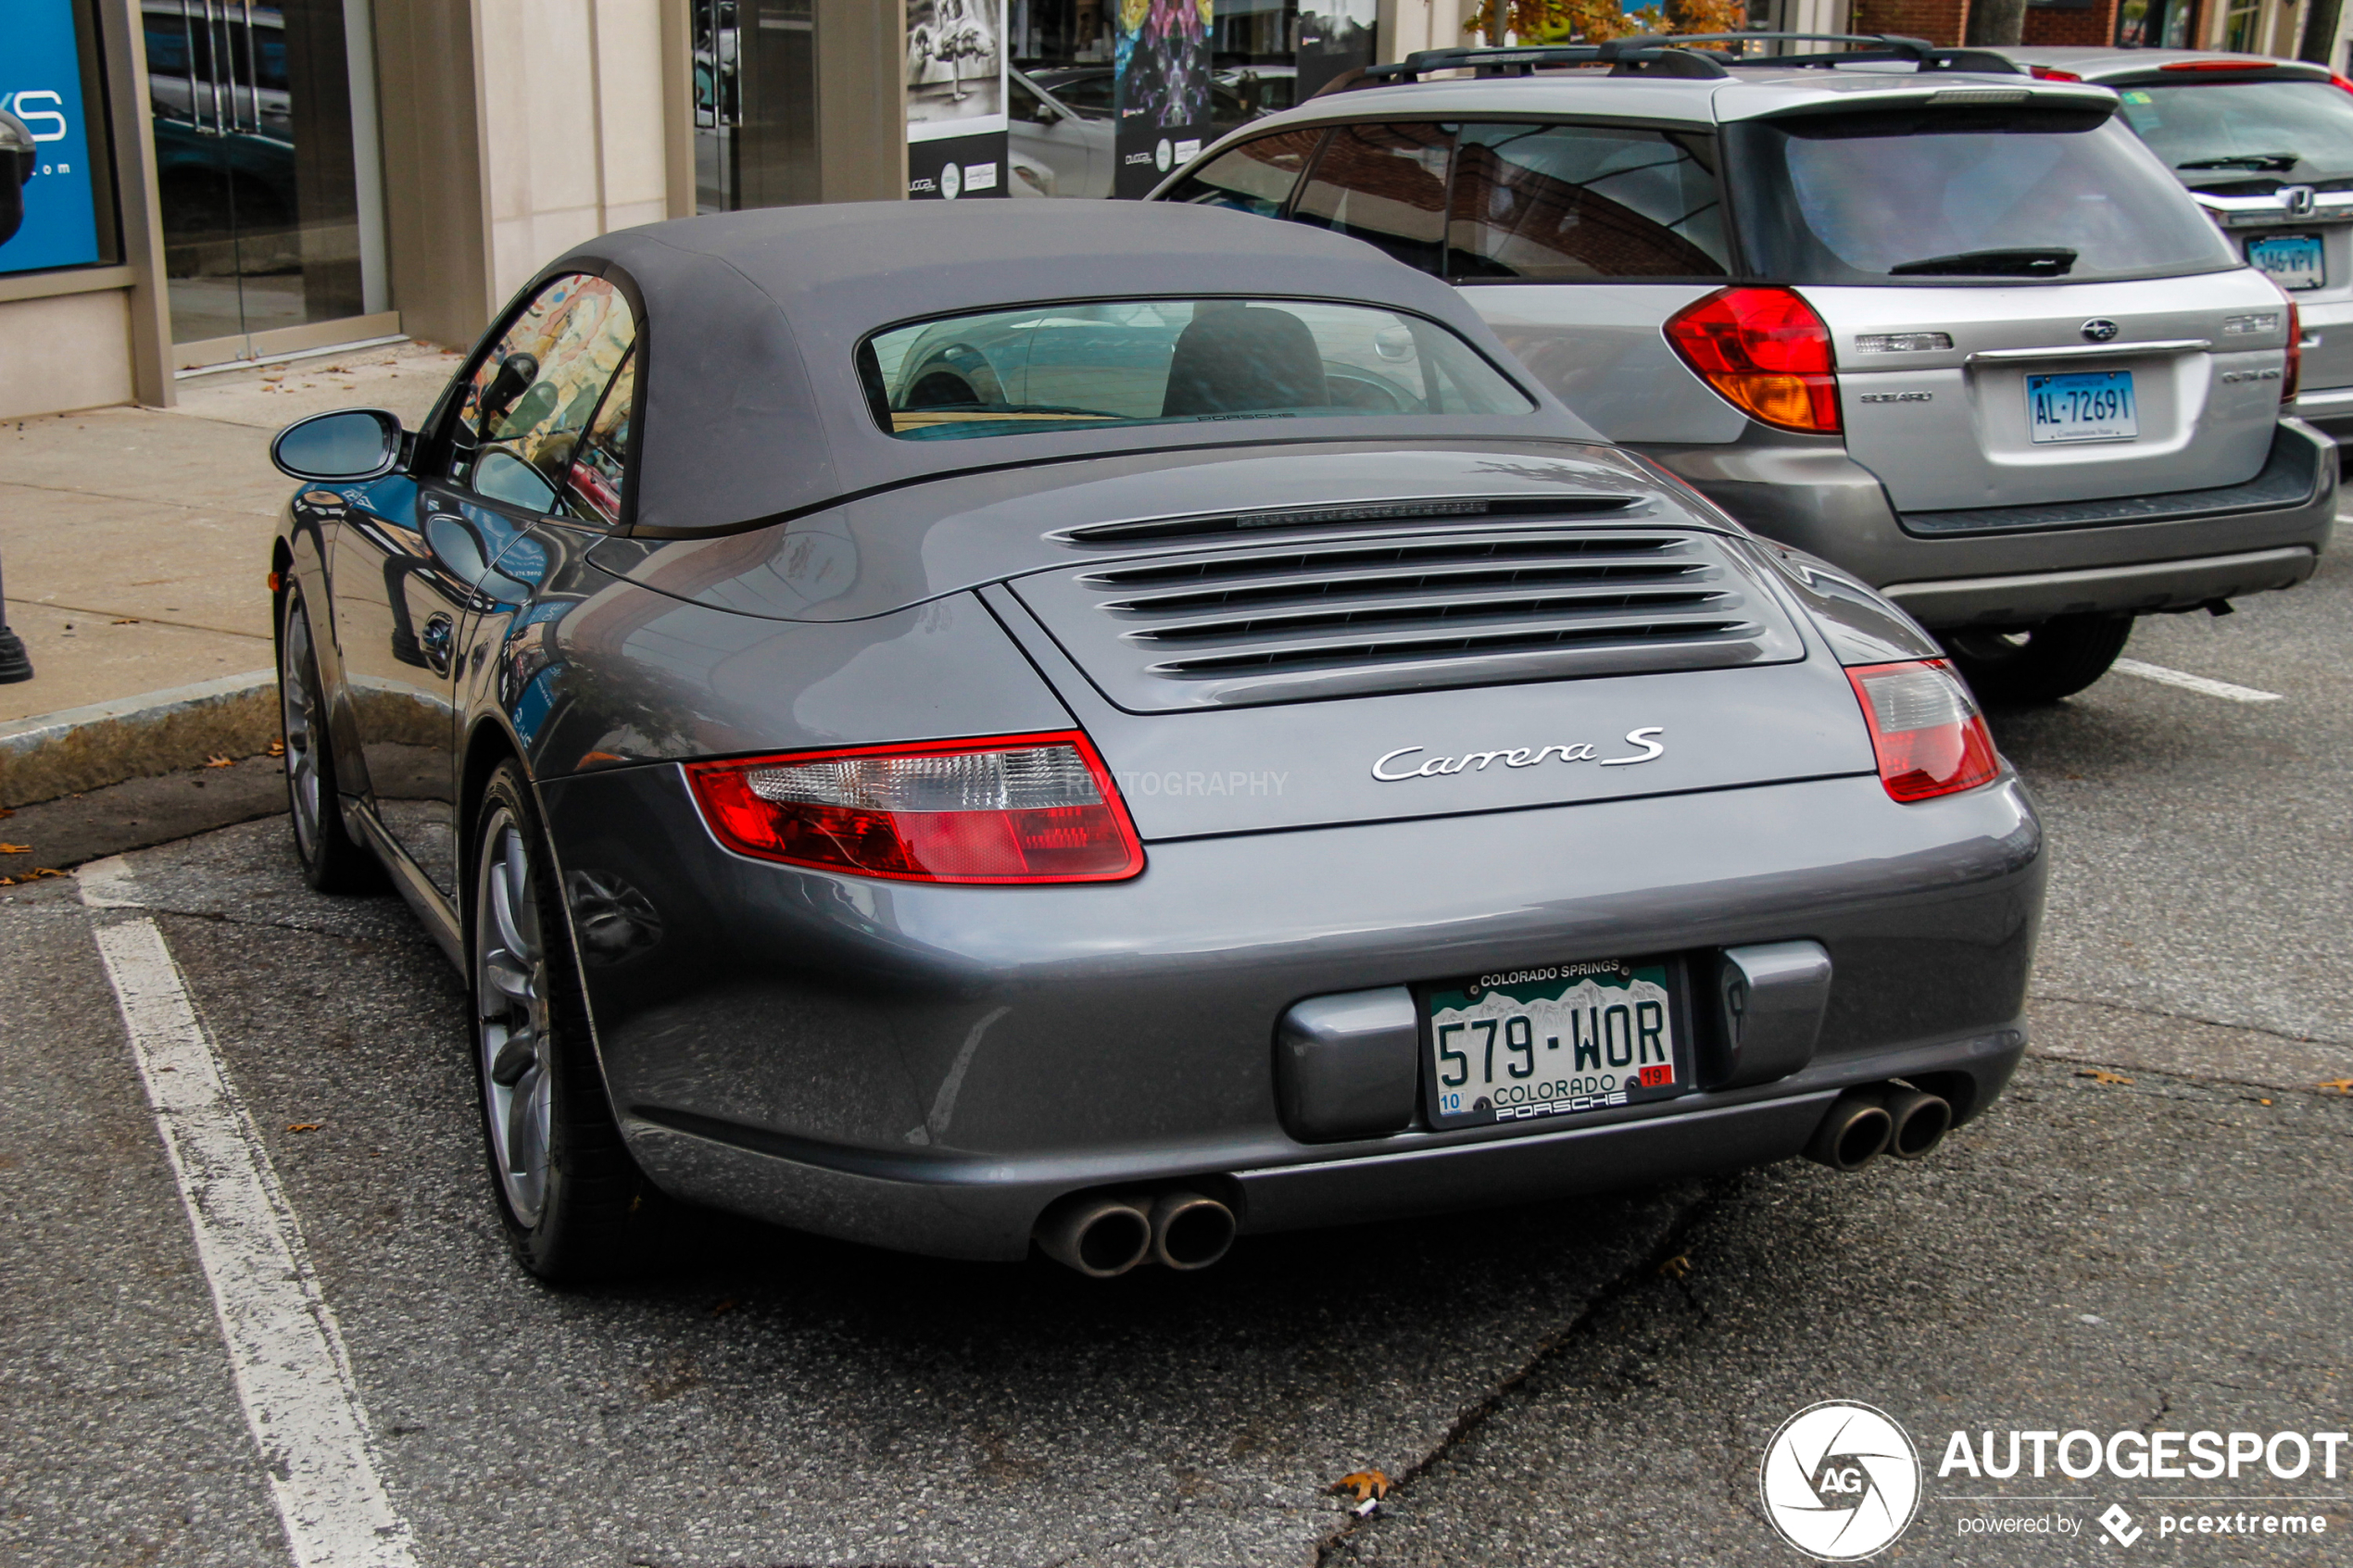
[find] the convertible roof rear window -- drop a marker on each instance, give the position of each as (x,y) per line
(1112,362)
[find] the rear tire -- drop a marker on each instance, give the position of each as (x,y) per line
(332,861)
(2038,664)
(574,1205)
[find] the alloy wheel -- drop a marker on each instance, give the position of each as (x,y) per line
(510,1004)
(299,714)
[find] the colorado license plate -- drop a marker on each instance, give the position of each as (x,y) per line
(2292,260)
(1552,1041)
(2083,406)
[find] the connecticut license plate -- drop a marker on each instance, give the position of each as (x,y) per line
(2083,406)
(2292,260)
(1552,1041)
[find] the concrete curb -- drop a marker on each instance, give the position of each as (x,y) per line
(84,748)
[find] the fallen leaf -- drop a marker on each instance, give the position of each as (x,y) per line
(2101,1075)
(277,748)
(39,871)
(1363,1486)
(729,1305)
(2342,1085)
(304,1126)
(1676,1267)
(16,848)
(8,810)
(220,761)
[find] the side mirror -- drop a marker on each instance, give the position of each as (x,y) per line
(346,445)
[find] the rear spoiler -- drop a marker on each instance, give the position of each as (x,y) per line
(1672,57)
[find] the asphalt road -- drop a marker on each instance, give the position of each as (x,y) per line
(2146,1233)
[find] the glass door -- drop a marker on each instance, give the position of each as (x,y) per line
(265,160)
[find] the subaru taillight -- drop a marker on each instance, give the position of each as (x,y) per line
(1010,809)
(1926,729)
(2293,370)
(1766,353)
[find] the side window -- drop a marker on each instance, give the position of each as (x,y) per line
(601,464)
(1255,177)
(1025,106)
(530,398)
(1566,202)
(1385,185)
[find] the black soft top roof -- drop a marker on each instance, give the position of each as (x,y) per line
(750,397)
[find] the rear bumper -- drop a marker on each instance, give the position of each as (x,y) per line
(2022,564)
(927,1068)
(2157,586)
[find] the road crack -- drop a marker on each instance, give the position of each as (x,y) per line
(1467,1424)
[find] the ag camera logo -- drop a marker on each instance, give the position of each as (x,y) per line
(1840,1481)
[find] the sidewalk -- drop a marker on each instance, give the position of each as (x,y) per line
(134,544)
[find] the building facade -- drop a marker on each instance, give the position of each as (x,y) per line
(233,182)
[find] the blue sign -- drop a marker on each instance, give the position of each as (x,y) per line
(41,84)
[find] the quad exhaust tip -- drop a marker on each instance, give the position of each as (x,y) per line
(1102,1234)
(1890,1118)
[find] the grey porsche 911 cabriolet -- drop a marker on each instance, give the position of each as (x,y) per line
(965,727)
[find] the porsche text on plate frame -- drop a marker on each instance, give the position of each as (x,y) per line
(1562,1040)
(887,747)
(2081,406)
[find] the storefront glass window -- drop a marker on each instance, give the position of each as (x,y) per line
(263,118)
(755,103)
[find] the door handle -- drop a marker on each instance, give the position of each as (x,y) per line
(434,642)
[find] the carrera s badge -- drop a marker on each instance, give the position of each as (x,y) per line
(1518,757)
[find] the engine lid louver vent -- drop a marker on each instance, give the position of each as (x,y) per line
(1288,622)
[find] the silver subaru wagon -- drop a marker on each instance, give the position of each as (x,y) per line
(1950,326)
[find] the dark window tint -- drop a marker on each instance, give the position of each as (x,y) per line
(1086,93)
(1584,201)
(2216,131)
(528,400)
(1931,196)
(1385,185)
(601,466)
(1255,177)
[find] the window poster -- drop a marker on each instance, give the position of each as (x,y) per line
(1163,60)
(955,99)
(41,84)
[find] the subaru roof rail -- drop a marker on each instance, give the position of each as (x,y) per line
(1649,55)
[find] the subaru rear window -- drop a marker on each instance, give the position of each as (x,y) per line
(1100,364)
(2218,132)
(1963,195)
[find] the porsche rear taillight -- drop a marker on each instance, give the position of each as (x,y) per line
(1009,808)
(1766,353)
(1926,729)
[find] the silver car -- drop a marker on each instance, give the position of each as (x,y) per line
(1948,325)
(2266,147)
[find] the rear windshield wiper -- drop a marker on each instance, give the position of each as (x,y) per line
(2270,163)
(2050,261)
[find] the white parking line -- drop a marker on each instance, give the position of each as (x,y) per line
(2192,683)
(284,1350)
